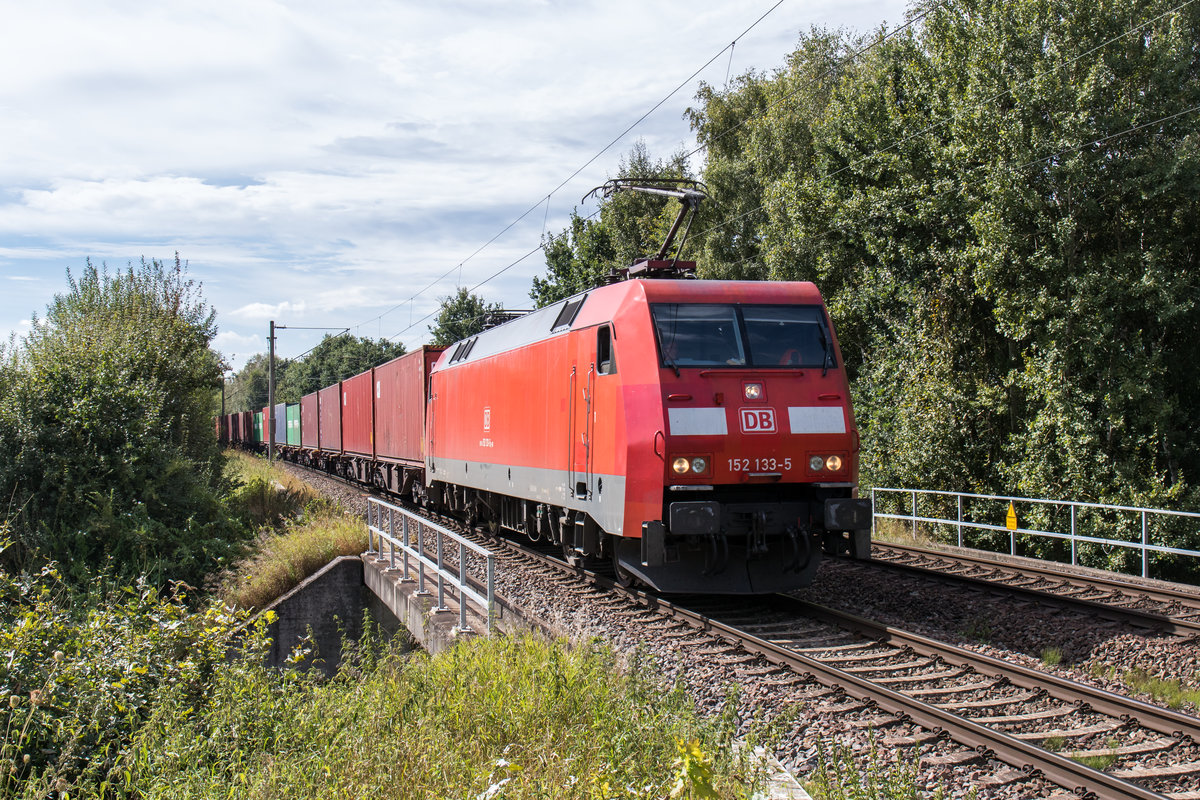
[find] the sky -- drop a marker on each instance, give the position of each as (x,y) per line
(344,165)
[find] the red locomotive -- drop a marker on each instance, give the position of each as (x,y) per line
(696,434)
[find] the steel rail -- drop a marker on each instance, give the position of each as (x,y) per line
(1030,759)
(1163,594)
(1096,608)
(1024,756)
(1162,720)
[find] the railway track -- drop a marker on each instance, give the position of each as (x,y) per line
(1036,723)
(1090,742)
(1155,607)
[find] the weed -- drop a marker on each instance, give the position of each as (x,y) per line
(1052,657)
(979,629)
(285,559)
(493,717)
(1100,762)
(305,533)
(839,777)
(1165,690)
(1054,743)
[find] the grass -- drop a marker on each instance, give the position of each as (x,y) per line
(495,718)
(1056,744)
(1169,691)
(268,496)
(894,531)
(839,777)
(282,560)
(1102,762)
(978,629)
(300,533)
(1052,656)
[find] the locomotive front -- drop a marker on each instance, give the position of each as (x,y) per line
(757,448)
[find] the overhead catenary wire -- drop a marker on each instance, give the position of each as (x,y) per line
(893,210)
(879,151)
(930,128)
(546,199)
(573,175)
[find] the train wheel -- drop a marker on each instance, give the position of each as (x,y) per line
(569,554)
(624,577)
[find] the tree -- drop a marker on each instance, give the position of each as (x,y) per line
(630,226)
(462,315)
(752,133)
(998,207)
(334,359)
(247,389)
(106,443)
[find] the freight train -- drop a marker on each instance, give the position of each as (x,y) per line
(697,434)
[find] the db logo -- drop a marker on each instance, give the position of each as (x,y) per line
(758,420)
(487,418)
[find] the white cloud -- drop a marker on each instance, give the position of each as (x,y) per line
(263,311)
(321,164)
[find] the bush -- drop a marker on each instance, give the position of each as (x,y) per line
(106,444)
(492,718)
(80,673)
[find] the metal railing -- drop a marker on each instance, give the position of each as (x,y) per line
(408,538)
(968,521)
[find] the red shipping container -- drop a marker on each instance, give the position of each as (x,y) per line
(247,424)
(329,401)
(401,389)
(309,420)
(358,414)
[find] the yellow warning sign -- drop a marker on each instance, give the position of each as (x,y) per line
(1011,519)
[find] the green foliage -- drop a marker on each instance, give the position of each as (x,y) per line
(107,453)
(1052,656)
(334,359)
(246,390)
(1169,691)
(998,206)
(300,533)
(839,777)
(493,717)
(461,316)
(81,673)
(631,225)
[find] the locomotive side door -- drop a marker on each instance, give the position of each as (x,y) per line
(583,413)
(582,387)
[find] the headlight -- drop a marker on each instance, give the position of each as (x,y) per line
(833,463)
(816,463)
(681,465)
(753,391)
(699,465)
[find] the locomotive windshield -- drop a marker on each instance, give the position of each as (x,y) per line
(711,335)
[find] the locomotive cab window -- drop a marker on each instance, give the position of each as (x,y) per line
(606,361)
(698,335)
(788,336)
(712,335)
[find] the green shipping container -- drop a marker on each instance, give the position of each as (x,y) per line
(293,424)
(258,427)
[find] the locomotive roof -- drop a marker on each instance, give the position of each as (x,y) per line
(600,305)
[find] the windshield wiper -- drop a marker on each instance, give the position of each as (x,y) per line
(671,364)
(828,350)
